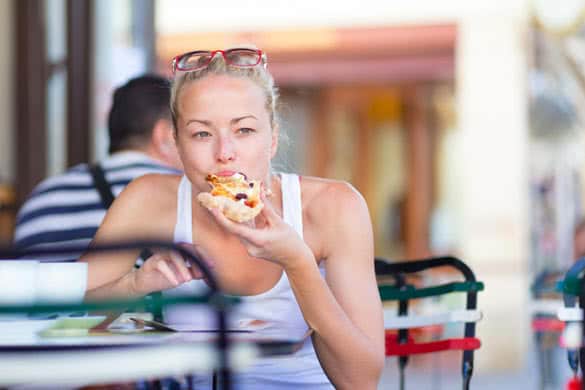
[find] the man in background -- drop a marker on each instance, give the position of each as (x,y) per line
(67,209)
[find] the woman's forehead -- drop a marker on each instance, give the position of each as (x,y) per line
(224,82)
(222,91)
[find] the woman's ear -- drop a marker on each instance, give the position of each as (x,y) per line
(274,145)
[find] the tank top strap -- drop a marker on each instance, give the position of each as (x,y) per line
(184,227)
(292,209)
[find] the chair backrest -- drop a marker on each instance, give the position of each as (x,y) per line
(572,286)
(400,290)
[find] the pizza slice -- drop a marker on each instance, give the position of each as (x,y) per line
(236,197)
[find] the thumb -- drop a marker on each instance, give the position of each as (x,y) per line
(198,252)
(268,211)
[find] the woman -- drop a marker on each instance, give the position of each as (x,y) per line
(307,257)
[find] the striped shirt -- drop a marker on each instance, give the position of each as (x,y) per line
(66,210)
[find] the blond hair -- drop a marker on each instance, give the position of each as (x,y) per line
(257,74)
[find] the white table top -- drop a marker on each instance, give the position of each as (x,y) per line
(26,357)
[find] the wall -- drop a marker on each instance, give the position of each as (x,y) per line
(175,16)
(6,96)
(493,131)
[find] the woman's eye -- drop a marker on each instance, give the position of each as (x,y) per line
(245,130)
(201,134)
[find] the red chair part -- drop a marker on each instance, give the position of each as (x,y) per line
(547,325)
(574,384)
(393,348)
(426,331)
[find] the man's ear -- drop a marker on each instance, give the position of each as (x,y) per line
(274,145)
(162,135)
(163,143)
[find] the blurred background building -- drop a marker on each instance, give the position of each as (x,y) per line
(460,121)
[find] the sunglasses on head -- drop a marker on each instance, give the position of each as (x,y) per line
(237,57)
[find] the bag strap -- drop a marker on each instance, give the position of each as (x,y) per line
(107,196)
(101,185)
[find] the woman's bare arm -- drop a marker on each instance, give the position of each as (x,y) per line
(345,309)
(345,312)
(138,213)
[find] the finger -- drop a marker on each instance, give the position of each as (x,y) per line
(261,220)
(269,212)
(169,258)
(194,268)
(265,190)
(180,267)
(164,268)
(200,253)
(189,248)
(251,223)
(152,262)
(196,273)
(238,229)
(203,255)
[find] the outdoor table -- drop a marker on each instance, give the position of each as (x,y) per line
(26,357)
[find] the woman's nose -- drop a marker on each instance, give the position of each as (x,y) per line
(225,150)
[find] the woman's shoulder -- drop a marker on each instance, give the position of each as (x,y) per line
(157,178)
(334,214)
(146,199)
(156,182)
(326,198)
(151,187)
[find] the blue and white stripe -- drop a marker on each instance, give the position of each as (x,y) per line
(66,210)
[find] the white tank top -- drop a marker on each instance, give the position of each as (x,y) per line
(277,306)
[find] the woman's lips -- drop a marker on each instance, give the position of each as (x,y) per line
(226,173)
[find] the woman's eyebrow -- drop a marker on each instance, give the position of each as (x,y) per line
(236,120)
(203,122)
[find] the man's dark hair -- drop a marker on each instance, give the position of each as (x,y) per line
(136,107)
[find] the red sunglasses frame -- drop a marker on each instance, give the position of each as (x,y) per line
(176,61)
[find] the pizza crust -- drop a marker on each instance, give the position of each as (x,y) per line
(236,211)
(223,193)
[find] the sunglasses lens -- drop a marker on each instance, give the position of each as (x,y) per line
(242,57)
(234,57)
(196,60)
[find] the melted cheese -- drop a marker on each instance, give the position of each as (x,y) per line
(230,186)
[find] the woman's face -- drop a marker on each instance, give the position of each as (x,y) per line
(224,127)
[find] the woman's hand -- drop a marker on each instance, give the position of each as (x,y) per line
(268,236)
(167,269)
